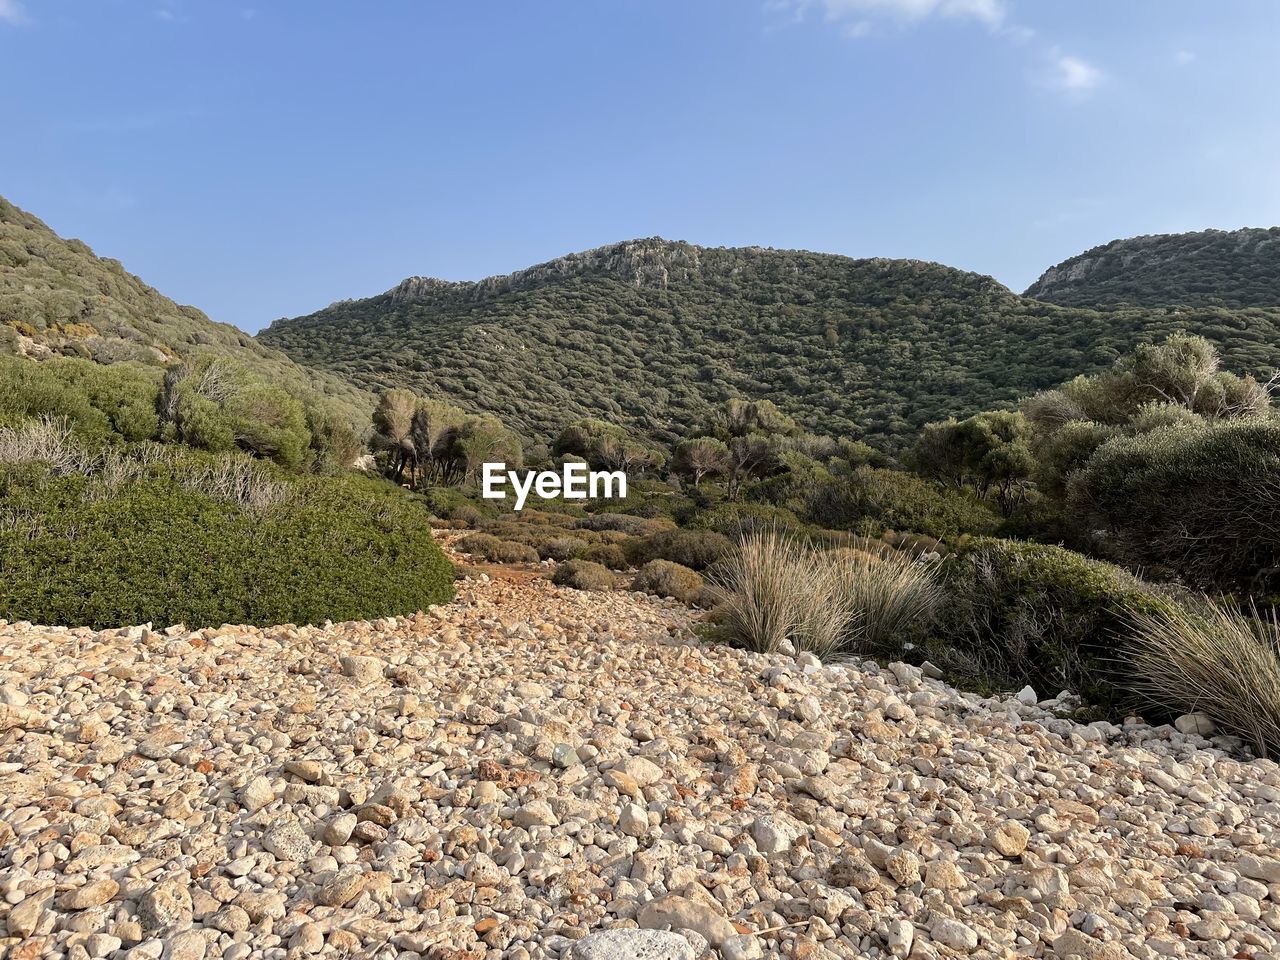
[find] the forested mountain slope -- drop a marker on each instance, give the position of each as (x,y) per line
(57,298)
(651,334)
(1236,268)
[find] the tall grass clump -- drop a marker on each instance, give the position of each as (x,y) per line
(893,596)
(1216,660)
(776,589)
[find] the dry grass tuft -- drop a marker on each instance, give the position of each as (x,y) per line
(776,589)
(891,595)
(1216,660)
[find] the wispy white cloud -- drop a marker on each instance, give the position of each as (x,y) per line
(1184,57)
(859,17)
(12,13)
(1075,75)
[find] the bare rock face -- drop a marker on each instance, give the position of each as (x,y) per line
(534,773)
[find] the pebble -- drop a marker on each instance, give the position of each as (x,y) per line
(533,773)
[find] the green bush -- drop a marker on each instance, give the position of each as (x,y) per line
(562,548)
(509,551)
(85,550)
(1203,502)
(583,575)
(496,550)
(113,403)
(663,578)
(695,549)
(611,555)
(1022,613)
(871,501)
(624,523)
(737,519)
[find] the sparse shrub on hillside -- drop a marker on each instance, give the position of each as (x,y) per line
(157,550)
(562,548)
(1018,613)
(775,589)
(1213,659)
(511,551)
(695,549)
(663,578)
(478,544)
(47,440)
(624,523)
(736,520)
(239,480)
(611,555)
(583,575)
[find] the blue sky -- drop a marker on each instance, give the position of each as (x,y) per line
(261,159)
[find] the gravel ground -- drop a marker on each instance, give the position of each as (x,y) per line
(536,772)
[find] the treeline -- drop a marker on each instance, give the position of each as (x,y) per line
(1166,463)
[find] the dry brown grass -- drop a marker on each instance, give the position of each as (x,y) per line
(891,595)
(1213,659)
(776,589)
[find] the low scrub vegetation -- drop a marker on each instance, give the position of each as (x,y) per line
(178,543)
(584,575)
(663,578)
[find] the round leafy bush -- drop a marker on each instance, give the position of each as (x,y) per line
(663,578)
(562,548)
(611,555)
(873,500)
(510,551)
(695,549)
(496,550)
(1019,613)
(583,575)
(204,541)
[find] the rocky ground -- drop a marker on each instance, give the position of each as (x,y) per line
(535,772)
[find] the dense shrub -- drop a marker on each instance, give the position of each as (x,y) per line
(695,549)
(102,403)
(666,579)
(611,555)
(738,519)
(624,523)
(478,544)
(1213,659)
(562,548)
(583,575)
(1203,502)
(512,551)
(161,548)
(872,500)
(1022,613)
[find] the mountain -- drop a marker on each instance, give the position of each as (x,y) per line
(651,334)
(57,298)
(1220,268)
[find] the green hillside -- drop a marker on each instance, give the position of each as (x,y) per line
(57,298)
(1210,268)
(652,334)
